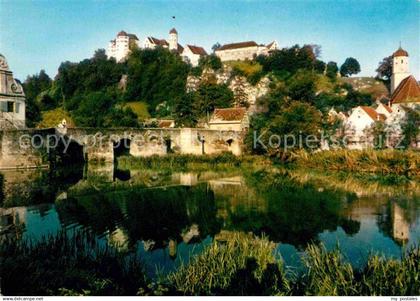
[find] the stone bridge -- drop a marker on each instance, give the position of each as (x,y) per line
(36,147)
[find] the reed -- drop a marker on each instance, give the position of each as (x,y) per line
(240,265)
(234,264)
(372,161)
(67,264)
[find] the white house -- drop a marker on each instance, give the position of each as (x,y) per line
(384,110)
(358,124)
(230,119)
(244,50)
(120,47)
(192,54)
(172,43)
(12,99)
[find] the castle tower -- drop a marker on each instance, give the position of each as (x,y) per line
(400,68)
(173,39)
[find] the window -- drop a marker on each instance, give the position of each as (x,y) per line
(3,106)
(10,106)
(17,108)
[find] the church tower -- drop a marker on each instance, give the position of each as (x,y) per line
(400,68)
(173,39)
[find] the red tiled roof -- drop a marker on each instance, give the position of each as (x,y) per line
(400,52)
(173,30)
(373,114)
(165,123)
(238,45)
(122,33)
(407,91)
(197,50)
(229,114)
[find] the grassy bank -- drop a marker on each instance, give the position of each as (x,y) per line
(191,162)
(369,161)
(235,264)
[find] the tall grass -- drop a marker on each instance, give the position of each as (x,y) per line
(328,274)
(234,264)
(242,265)
(375,161)
(66,264)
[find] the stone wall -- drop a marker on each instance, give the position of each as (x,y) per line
(98,145)
(17,151)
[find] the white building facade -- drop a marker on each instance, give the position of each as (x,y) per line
(244,50)
(192,54)
(120,47)
(12,99)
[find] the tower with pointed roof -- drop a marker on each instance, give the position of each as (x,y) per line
(173,39)
(400,68)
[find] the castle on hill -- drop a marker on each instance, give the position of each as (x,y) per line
(120,47)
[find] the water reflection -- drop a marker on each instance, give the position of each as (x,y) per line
(167,216)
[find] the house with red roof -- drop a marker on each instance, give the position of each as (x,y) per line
(229,119)
(192,54)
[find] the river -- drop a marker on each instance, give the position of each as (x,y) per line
(168,216)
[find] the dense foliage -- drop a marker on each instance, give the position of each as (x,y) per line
(99,92)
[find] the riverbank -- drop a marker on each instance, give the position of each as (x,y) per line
(234,264)
(361,161)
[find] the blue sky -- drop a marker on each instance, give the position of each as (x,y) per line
(38,35)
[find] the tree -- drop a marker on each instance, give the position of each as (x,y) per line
(184,111)
(210,96)
(332,70)
(240,97)
(155,76)
(384,71)
(93,110)
(298,121)
(411,127)
(350,66)
(211,61)
(288,59)
(319,66)
(216,46)
(33,86)
(302,86)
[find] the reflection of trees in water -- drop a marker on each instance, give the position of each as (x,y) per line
(157,215)
(296,213)
(96,212)
(162,214)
